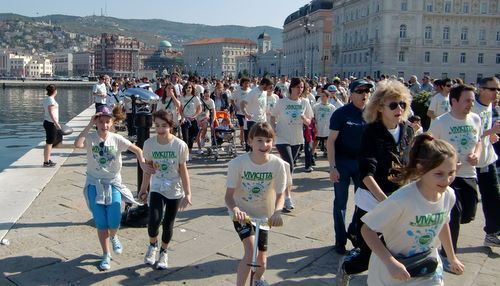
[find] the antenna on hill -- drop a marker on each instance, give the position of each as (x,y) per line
(106,8)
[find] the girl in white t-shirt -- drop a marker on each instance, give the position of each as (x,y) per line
(414,217)
(170,103)
(103,186)
(50,123)
(169,185)
(255,185)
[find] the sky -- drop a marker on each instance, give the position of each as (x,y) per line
(248,13)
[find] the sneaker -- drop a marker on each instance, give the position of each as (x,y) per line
(492,240)
(446,264)
(150,256)
(116,244)
(105,262)
(340,249)
(261,282)
(49,164)
(163,261)
(308,169)
(342,278)
(289,205)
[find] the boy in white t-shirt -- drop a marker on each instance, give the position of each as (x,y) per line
(440,103)
(323,110)
(255,185)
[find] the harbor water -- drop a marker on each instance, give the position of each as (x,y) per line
(21,117)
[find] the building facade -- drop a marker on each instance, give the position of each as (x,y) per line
(63,64)
(217,56)
(17,65)
(84,64)
(307,40)
(117,55)
(39,68)
(440,38)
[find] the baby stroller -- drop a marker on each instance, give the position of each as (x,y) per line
(222,131)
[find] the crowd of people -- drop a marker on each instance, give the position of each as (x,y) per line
(413,189)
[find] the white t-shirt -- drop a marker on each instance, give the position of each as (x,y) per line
(255,185)
(284,87)
(335,102)
(488,154)
(104,158)
(410,225)
(171,108)
(462,134)
(271,103)
(189,105)
(289,122)
(99,88)
(256,105)
(48,101)
(238,97)
(198,90)
(439,104)
(205,113)
(322,114)
(166,159)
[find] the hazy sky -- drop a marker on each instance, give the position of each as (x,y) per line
(210,12)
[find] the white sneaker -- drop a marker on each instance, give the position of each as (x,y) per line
(163,261)
(105,262)
(150,256)
(289,205)
(261,282)
(116,244)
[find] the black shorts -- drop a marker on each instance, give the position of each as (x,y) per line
(247,230)
(321,138)
(241,120)
(50,132)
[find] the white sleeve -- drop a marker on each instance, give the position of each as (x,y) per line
(232,173)
(281,180)
(383,216)
(183,152)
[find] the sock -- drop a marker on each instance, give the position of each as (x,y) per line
(154,244)
(162,250)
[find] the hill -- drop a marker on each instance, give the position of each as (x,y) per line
(149,31)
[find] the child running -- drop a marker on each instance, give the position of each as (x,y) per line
(103,187)
(255,185)
(413,217)
(170,189)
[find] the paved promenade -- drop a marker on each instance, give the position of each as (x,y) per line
(54,241)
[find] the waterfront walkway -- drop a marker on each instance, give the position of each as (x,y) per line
(54,242)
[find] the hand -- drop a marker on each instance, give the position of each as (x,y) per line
(186,201)
(334,175)
(239,215)
(398,270)
(276,219)
(473,159)
(457,267)
(143,196)
(494,138)
(496,127)
(147,167)
(58,126)
(93,119)
(248,116)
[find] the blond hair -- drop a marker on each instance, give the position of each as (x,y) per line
(387,90)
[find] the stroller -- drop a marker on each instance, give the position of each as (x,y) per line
(222,131)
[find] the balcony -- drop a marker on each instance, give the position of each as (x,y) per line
(404,42)
(446,42)
(483,43)
(464,43)
(428,41)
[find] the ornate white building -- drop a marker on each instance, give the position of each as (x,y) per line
(441,38)
(217,56)
(307,40)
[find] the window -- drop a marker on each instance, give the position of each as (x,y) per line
(497,60)
(483,9)
(444,75)
(401,56)
(402,31)
(445,57)
(482,35)
(463,34)
(446,33)
(404,5)
(462,58)
(429,7)
(428,33)
(465,8)
(447,6)
(427,57)
(480,58)
(498,36)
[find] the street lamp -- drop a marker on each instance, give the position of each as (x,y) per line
(307,24)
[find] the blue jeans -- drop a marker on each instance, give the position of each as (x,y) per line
(490,197)
(348,169)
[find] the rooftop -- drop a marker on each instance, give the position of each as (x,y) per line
(208,41)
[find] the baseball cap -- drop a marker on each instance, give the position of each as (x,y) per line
(104,110)
(332,88)
(359,82)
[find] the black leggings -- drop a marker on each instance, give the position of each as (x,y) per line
(157,209)
(189,132)
(288,153)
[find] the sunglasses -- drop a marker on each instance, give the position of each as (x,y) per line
(361,91)
(492,88)
(393,105)
(448,85)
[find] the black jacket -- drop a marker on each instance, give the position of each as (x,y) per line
(379,153)
(225,101)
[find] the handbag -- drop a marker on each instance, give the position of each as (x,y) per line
(421,264)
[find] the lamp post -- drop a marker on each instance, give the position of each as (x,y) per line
(307,24)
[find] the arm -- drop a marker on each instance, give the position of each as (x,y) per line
(445,238)
(374,188)
(143,193)
(431,114)
(330,147)
(53,116)
(231,204)
(243,106)
(147,168)
(276,219)
(473,158)
(395,268)
(186,201)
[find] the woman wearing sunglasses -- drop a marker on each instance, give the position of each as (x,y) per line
(385,143)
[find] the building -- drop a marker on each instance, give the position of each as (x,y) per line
(17,65)
(117,55)
(217,56)
(163,60)
(63,64)
(39,68)
(307,40)
(4,60)
(402,37)
(84,64)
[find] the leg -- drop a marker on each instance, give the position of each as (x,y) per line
(100,219)
(47,150)
(285,152)
(490,197)
(358,262)
(113,212)
(156,206)
(243,266)
(261,254)
(249,126)
(172,206)
(341,191)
